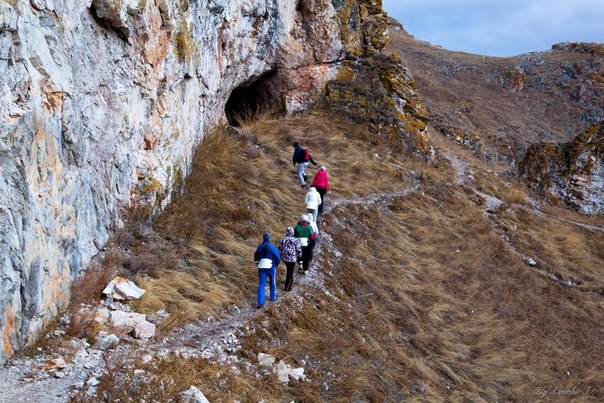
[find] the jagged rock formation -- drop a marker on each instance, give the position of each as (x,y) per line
(381,93)
(103,101)
(572,173)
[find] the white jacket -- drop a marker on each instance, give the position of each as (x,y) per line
(313,199)
(313,224)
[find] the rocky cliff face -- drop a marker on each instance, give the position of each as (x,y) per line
(103,101)
(571,173)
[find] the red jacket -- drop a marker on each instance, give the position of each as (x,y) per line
(321,180)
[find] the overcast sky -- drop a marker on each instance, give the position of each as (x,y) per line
(500,27)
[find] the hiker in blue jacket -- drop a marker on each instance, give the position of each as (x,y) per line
(302,157)
(268,259)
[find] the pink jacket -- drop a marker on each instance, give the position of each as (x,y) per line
(321,180)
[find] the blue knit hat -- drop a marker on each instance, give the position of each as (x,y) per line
(266,237)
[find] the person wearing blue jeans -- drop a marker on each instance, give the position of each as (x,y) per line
(268,259)
(302,157)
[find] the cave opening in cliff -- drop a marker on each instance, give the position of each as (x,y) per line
(247,101)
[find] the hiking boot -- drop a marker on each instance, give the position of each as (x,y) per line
(303,185)
(260,306)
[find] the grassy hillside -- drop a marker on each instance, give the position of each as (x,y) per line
(502,105)
(420,291)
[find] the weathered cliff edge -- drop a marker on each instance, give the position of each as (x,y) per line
(571,173)
(103,101)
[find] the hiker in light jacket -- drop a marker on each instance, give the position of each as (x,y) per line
(303,231)
(268,259)
(302,157)
(321,183)
(313,224)
(290,249)
(313,199)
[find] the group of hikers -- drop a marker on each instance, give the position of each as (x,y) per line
(299,241)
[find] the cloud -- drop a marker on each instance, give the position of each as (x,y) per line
(500,27)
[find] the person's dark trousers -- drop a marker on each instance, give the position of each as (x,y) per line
(306,257)
(289,276)
(322,193)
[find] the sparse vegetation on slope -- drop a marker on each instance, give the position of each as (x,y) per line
(426,301)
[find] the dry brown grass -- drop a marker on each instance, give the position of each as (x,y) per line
(435,307)
(572,252)
(241,185)
(429,305)
(88,288)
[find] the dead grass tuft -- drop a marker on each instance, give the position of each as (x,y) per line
(426,301)
(88,288)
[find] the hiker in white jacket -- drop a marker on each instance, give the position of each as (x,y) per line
(313,199)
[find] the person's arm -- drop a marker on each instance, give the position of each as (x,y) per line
(256,257)
(312,160)
(276,256)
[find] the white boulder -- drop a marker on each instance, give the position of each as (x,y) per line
(193,395)
(266,360)
(297,374)
(105,341)
(144,330)
(126,321)
(121,288)
(282,372)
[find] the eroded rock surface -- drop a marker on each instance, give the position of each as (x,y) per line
(571,173)
(102,103)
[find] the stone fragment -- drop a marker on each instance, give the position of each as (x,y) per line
(266,360)
(297,374)
(57,363)
(105,341)
(59,374)
(144,330)
(93,381)
(123,289)
(282,372)
(101,315)
(126,321)
(193,395)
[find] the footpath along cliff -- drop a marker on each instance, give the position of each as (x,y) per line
(102,103)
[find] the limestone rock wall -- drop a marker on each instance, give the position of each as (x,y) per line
(571,173)
(102,103)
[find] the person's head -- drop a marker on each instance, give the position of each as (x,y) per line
(312,189)
(323,168)
(266,237)
(289,231)
(296,145)
(303,218)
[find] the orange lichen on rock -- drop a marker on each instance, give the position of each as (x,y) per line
(9,330)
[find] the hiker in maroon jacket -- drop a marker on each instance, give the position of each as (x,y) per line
(302,157)
(321,183)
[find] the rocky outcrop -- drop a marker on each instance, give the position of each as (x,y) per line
(593,48)
(380,92)
(103,101)
(571,173)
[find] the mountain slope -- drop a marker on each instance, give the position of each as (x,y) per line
(506,104)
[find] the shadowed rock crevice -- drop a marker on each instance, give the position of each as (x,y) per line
(247,101)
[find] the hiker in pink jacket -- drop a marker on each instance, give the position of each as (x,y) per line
(321,183)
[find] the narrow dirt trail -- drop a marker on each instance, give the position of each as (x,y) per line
(219,338)
(464,177)
(216,339)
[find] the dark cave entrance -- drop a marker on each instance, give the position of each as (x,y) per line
(249,100)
